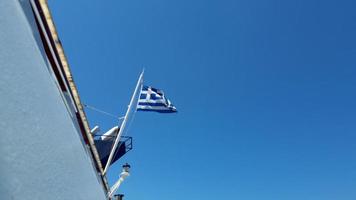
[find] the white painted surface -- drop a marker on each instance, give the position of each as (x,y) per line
(42,156)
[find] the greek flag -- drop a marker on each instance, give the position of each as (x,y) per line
(152,99)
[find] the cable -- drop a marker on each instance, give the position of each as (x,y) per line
(102,112)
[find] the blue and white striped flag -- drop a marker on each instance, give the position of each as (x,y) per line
(152,99)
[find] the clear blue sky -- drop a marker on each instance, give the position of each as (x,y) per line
(265,92)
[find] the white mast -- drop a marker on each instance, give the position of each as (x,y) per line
(125,173)
(122,128)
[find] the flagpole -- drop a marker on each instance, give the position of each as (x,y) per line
(122,128)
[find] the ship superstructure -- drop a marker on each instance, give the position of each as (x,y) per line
(48,151)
